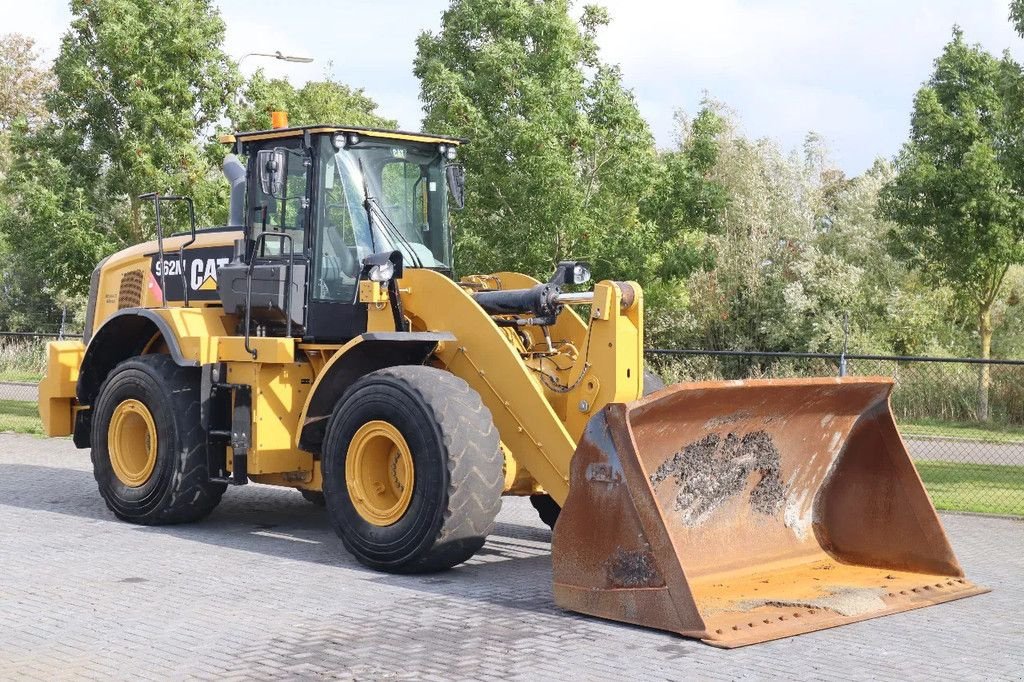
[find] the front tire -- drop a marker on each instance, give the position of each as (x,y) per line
(148,446)
(413,470)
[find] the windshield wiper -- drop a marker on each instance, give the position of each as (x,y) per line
(371,205)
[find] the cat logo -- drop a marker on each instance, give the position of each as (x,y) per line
(198,272)
(203,275)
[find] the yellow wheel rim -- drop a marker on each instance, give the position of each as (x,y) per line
(131,443)
(379,473)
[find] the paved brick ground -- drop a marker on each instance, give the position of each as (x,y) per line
(264,590)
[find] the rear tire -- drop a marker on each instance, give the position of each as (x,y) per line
(446,446)
(547,509)
(173,486)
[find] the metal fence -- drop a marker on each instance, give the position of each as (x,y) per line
(967,463)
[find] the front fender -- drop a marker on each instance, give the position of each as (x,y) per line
(362,355)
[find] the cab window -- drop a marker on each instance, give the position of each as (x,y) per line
(286,210)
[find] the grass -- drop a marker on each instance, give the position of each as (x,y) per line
(987,433)
(20,375)
(986,488)
(22,359)
(20,416)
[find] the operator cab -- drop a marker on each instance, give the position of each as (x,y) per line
(321,202)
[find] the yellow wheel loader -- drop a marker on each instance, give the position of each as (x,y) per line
(320,341)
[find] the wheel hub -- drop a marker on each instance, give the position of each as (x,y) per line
(379,473)
(132,443)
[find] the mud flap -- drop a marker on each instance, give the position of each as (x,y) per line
(745,511)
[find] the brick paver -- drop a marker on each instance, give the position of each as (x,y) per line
(263,589)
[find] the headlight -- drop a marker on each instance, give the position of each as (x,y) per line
(338,141)
(580,274)
(382,272)
(353,139)
(451,153)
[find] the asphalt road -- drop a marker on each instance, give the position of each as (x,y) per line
(263,589)
(966,451)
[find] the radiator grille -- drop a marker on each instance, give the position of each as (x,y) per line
(130,293)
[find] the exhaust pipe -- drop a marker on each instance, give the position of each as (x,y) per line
(234,171)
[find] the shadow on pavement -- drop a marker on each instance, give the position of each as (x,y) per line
(513,569)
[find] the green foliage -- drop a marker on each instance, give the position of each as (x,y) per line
(138,84)
(685,204)
(559,158)
(23,82)
(957,199)
(26,303)
(324,101)
(793,247)
(1017,16)
(22,359)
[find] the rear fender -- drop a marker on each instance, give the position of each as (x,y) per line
(186,335)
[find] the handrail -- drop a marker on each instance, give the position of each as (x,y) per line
(156,199)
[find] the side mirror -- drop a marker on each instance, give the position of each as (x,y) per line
(457,184)
(272,165)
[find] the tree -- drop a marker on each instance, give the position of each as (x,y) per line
(1017,16)
(139,83)
(323,101)
(958,197)
(24,85)
(559,157)
(686,203)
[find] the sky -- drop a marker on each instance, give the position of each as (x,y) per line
(847,70)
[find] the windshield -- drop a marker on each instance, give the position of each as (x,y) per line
(407,211)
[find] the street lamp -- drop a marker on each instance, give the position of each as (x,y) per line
(277,55)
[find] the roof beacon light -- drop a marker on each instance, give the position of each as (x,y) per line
(278,119)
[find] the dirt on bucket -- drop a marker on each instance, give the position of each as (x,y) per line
(714,469)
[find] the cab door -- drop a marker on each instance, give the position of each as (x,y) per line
(278,219)
(341,242)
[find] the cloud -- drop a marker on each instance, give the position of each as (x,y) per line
(846,70)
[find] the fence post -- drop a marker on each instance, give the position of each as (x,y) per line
(63,318)
(846,343)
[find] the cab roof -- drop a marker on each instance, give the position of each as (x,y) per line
(298,131)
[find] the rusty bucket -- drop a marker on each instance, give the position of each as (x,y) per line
(744,511)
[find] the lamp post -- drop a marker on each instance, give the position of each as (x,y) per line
(279,56)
